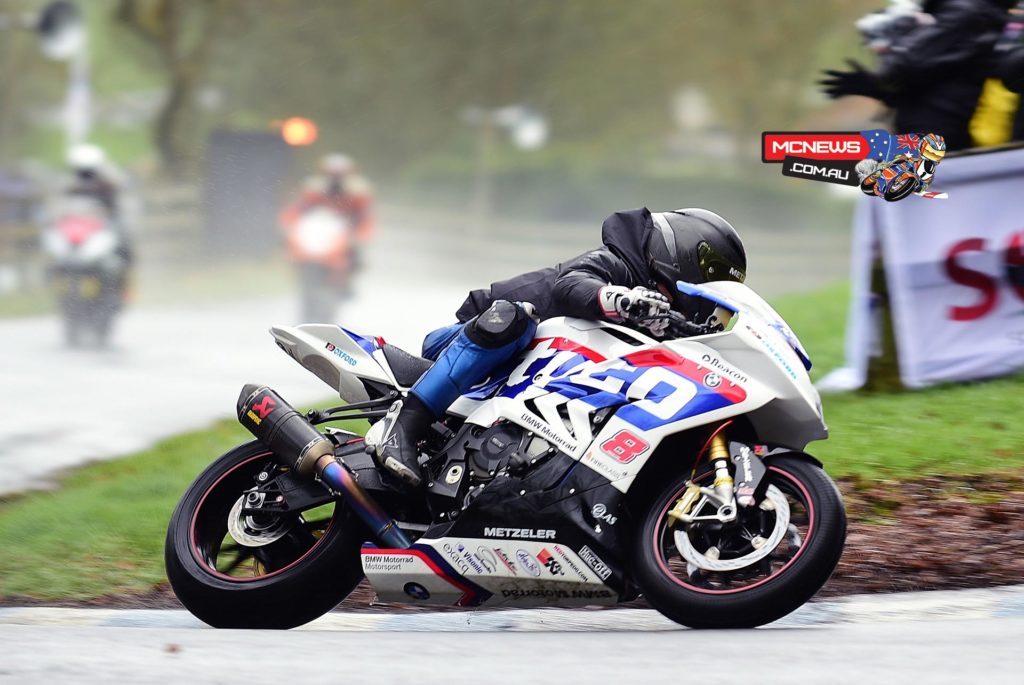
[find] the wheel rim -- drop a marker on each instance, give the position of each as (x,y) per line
(221,555)
(734,541)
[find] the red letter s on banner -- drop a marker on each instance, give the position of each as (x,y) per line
(972,279)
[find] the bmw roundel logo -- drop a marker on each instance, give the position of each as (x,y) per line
(712,380)
(416,591)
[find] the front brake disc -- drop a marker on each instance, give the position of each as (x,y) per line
(780,506)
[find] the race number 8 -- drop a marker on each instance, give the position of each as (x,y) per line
(624,447)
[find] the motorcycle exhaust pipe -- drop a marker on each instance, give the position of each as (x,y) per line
(302,447)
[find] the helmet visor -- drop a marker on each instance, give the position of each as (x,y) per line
(715,267)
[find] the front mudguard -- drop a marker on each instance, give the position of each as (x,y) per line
(776,452)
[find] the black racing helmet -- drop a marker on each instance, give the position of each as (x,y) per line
(696,246)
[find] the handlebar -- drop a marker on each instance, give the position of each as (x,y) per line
(678,325)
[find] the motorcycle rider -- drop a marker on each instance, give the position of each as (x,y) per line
(338,186)
(629,279)
(93,176)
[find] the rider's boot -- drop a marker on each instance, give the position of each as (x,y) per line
(405,425)
(484,343)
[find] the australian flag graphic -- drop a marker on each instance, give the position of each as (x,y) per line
(884,146)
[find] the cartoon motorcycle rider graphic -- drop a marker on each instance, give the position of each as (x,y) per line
(904,174)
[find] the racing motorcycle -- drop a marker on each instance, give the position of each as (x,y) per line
(89,268)
(600,465)
(320,246)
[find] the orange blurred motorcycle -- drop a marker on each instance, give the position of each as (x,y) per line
(321,244)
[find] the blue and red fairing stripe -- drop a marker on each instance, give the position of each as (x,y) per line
(707,399)
(369,345)
(472,594)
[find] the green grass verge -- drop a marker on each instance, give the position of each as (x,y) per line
(103,531)
(27,304)
(961,429)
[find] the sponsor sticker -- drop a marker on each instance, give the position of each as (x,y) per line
(416,591)
(712,380)
(550,563)
(600,512)
(544,429)
(487,558)
(520,533)
(456,558)
(573,566)
(386,563)
(342,354)
(723,368)
(471,559)
(603,467)
(594,562)
(503,558)
(554,593)
(528,563)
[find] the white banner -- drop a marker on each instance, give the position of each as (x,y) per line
(955,270)
(951,267)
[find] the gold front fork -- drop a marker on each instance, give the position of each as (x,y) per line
(718,455)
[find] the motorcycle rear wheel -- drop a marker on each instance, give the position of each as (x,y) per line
(308,568)
(773,584)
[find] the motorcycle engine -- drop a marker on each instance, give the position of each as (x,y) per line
(503,447)
(478,455)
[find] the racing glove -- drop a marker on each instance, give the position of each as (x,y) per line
(638,305)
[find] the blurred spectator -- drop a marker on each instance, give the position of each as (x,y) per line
(934,58)
(1009,64)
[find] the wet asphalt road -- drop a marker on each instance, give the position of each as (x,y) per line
(935,637)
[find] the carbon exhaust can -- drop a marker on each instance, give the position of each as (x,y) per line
(282,429)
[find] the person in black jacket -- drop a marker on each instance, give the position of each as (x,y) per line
(1009,64)
(630,279)
(1012,72)
(931,72)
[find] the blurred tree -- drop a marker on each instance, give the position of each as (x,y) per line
(388,80)
(28,80)
(183,34)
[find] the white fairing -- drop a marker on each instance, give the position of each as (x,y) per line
(96,249)
(559,388)
(492,572)
(337,357)
(319,230)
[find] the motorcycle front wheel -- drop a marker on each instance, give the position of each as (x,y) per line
(749,572)
(237,571)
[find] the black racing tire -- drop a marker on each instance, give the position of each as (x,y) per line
(297,593)
(72,330)
(319,297)
(764,601)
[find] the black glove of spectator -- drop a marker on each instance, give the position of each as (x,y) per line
(857,81)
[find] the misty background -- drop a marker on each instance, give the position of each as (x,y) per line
(657,103)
